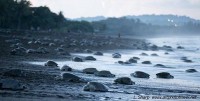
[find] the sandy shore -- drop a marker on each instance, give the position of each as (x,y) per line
(42,84)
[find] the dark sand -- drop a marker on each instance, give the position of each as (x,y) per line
(41,83)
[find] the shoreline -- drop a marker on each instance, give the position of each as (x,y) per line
(42,84)
(39,74)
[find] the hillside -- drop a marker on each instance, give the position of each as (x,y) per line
(164,19)
(149,19)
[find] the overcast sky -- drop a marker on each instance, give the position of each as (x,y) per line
(117,8)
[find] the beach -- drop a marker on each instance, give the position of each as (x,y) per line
(43,83)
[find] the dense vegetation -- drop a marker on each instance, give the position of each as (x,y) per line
(18,14)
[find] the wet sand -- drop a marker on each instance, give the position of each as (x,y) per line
(41,83)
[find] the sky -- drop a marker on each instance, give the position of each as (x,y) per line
(118,8)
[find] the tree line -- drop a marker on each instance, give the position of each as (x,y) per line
(18,14)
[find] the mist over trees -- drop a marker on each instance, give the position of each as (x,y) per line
(163,20)
(129,26)
(18,14)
